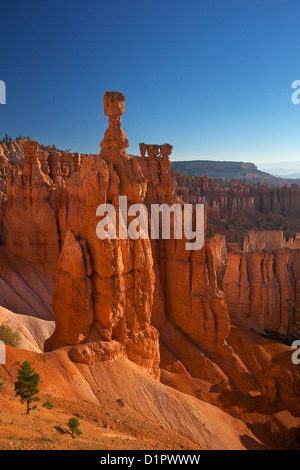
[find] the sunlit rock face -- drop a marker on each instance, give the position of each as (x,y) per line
(261,281)
(252,205)
(259,284)
(188,290)
(31,212)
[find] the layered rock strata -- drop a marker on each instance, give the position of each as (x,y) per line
(235,199)
(262,281)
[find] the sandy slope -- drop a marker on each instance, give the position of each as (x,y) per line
(147,400)
(193,411)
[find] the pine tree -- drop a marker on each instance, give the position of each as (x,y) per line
(74,426)
(26,386)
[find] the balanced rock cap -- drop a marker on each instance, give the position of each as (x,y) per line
(114,103)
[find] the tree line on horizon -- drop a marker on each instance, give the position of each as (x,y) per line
(7,138)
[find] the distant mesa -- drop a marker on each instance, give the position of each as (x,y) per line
(247,172)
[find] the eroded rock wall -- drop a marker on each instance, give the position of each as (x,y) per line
(261,282)
(235,200)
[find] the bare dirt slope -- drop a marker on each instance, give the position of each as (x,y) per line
(140,411)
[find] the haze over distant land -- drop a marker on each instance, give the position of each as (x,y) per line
(282,169)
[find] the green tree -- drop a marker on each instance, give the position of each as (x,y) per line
(74,427)
(26,385)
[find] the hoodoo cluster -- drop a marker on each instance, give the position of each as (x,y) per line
(156,151)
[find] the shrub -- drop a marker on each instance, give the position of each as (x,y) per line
(48,405)
(10,336)
(74,427)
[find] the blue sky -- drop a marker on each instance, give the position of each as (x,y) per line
(213,78)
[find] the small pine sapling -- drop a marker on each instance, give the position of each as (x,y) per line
(74,427)
(26,386)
